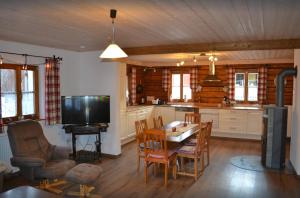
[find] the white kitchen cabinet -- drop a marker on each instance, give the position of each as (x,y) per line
(180,115)
(254,122)
(167,113)
(131,118)
(233,121)
(128,119)
(123,123)
(210,115)
(241,123)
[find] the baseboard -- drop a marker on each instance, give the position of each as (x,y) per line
(110,156)
(235,139)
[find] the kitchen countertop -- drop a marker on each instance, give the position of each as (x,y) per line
(202,106)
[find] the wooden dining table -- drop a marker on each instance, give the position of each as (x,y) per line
(182,132)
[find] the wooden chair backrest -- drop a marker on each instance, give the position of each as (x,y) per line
(193,118)
(140,127)
(209,128)
(201,139)
(158,122)
(155,143)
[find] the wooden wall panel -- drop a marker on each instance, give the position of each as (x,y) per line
(210,93)
(273,71)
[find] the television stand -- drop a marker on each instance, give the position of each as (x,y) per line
(86,130)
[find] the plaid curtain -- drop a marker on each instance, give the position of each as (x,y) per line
(194,79)
(52,92)
(166,79)
(231,76)
(262,84)
(1,121)
(133,85)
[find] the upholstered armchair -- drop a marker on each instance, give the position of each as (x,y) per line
(34,155)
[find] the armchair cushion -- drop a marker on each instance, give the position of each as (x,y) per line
(27,161)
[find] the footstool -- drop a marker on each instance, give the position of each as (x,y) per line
(84,174)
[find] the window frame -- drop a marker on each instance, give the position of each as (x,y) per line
(18,69)
(246,72)
(181,72)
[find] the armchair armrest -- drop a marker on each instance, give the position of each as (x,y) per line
(27,161)
(59,152)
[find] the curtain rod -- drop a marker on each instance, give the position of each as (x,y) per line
(19,54)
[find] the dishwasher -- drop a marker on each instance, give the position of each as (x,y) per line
(181,111)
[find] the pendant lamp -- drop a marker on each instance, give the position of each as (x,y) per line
(113,50)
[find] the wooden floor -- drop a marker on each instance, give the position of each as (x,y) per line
(220,179)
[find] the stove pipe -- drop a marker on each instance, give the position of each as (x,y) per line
(280,84)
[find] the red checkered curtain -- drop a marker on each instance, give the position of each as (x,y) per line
(194,79)
(262,84)
(231,79)
(52,92)
(1,121)
(133,85)
(166,79)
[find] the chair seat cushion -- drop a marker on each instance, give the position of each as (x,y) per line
(161,156)
(142,145)
(54,169)
(192,142)
(187,150)
(84,173)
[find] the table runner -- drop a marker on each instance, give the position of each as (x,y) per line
(180,129)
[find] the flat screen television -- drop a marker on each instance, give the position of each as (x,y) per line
(85,110)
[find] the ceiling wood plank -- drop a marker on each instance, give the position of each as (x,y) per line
(201,63)
(225,46)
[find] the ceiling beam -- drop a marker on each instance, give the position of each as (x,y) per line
(220,62)
(206,47)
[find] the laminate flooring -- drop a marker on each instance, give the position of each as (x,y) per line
(120,178)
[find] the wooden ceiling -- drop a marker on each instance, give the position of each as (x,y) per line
(85,25)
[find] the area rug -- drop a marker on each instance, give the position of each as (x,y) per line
(248,162)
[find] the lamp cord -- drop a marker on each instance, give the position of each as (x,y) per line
(113,31)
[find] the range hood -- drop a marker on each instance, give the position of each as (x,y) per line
(211,77)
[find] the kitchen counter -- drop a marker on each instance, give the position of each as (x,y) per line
(201,106)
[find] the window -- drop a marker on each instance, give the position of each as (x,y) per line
(181,87)
(246,86)
(19,92)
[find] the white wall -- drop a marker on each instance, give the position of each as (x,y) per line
(103,78)
(81,74)
(295,136)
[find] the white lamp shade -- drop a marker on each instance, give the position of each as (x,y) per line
(113,51)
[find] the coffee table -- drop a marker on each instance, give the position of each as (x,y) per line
(27,192)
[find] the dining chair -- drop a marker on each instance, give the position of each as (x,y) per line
(140,126)
(158,122)
(156,152)
(207,140)
(192,118)
(194,152)
(193,141)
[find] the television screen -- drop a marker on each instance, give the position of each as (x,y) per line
(85,109)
